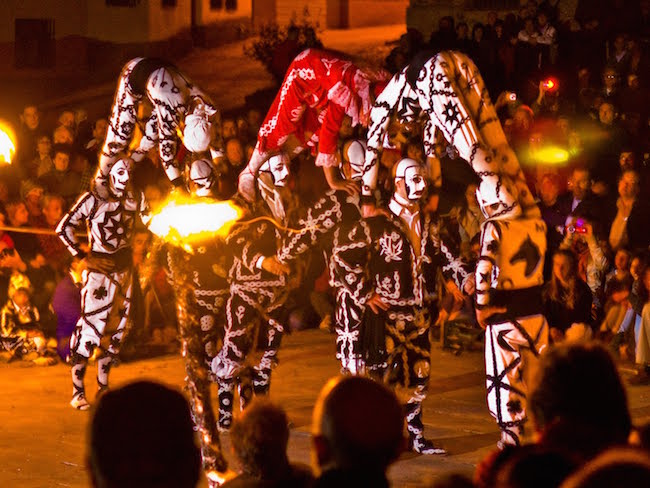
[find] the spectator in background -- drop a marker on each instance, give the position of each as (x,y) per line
(63,135)
(24,242)
(142,435)
(94,146)
(32,195)
(29,132)
(630,226)
(43,162)
(228,129)
(609,89)
(619,58)
(357,433)
(614,467)
(53,249)
(463,43)
(567,299)
(62,180)
(259,438)
(284,53)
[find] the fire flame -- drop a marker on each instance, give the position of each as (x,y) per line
(7,146)
(182,220)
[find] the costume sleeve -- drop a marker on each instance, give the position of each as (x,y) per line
(317,223)
(149,138)
(80,212)
(168,140)
(452,266)
(348,264)
(328,135)
(387,103)
(487,262)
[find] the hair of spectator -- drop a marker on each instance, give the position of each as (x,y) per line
(260,437)
(578,384)
(361,421)
(142,435)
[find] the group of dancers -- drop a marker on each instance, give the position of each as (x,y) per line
(383,259)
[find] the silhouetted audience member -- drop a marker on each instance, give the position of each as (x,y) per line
(577,400)
(623,467)
(534,466)
(259,440)
(357,433)
(142,436)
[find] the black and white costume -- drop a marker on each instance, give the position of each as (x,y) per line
(177,104)
(106,292)
(509,274)
(254,305)
(333,225)
(448,88)
(404,256)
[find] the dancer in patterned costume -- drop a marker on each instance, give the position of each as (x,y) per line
(333,225)
(106,293)
(405,254)
(177,104)
(202,332)
(258,289)
(318,90)
(449,90)
(509,279)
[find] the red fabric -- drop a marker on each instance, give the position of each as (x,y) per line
(306,87)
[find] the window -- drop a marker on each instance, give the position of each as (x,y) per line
(231,5)
(122,3)
(492,4)
(34,46)
(216,4)
(169,3)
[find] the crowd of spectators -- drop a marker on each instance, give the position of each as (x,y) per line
(141,435)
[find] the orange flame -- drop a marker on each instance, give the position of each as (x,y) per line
(183,220)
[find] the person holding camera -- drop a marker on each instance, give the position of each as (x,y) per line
(592,262)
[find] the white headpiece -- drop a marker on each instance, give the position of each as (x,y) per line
(197,133)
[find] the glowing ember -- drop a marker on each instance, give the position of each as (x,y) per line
(7,146)
(183,219)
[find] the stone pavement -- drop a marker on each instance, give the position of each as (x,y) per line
(42,437)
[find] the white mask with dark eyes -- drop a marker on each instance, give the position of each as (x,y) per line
(278,168)
(203,176)
(410,171)
(119,176)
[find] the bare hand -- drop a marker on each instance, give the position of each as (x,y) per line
(454,291)
(483,314)
(370,210)
(273,266)
(350,187)
(377,304)
(470,285)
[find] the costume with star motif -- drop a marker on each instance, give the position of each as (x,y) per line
(509,274)
(448,89)
(106,292)
(318,90)
(177,104)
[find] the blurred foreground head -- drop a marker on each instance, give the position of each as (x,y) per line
(358,424)
(142,435)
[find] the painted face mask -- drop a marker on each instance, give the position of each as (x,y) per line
(202,175)
(277,167)
(119,176)
(412,174)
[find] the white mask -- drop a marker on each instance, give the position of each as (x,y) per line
(278,168)
(202,175)
(412,174)
(119,176)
